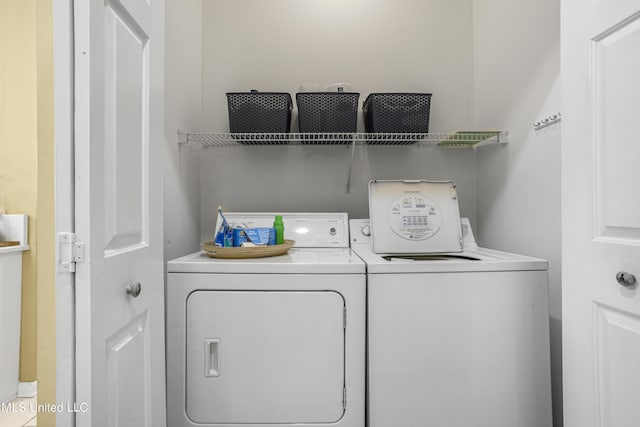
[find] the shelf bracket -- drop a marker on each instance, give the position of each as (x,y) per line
(353,152)
(502,137)
(182,137)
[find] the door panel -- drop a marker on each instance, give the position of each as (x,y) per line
(126,76)
(269,357)
(617,350)
(616,65)
(128,379)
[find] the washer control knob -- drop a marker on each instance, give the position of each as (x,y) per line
(366,230)
(332,231)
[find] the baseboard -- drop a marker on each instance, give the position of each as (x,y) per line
(29,389)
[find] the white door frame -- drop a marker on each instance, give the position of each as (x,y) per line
(63,78)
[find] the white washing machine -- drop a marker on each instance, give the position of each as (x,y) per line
(454,339)
(274,341)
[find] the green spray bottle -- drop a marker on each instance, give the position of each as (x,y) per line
(279,226)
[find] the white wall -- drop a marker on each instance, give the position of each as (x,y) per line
(183,99)
(290,179)
(516,80)
(376,45)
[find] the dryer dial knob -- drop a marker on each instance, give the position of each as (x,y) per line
(366,230)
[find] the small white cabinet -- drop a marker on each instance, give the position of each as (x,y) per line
(13,228)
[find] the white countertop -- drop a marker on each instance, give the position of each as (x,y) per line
(11,249)
(14,227)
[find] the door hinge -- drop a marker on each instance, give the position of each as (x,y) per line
(70,252)
(344,397)
(344,318)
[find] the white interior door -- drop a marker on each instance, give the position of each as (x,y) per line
(601,212)
(118,208)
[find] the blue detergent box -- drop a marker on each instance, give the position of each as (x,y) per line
(224,237)
(259,236)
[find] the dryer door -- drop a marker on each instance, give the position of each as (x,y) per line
(273,357)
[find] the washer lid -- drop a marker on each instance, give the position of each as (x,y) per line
(414,216)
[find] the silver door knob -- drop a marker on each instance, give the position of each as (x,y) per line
(134,289)
(625,279)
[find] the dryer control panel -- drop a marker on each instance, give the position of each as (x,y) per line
(309,230)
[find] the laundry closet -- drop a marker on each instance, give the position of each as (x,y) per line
(491,65)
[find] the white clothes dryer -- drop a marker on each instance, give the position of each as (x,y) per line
(276,341)
(456,340)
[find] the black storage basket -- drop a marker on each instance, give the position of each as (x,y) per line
(259,112)
(323,112)
(397,112)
